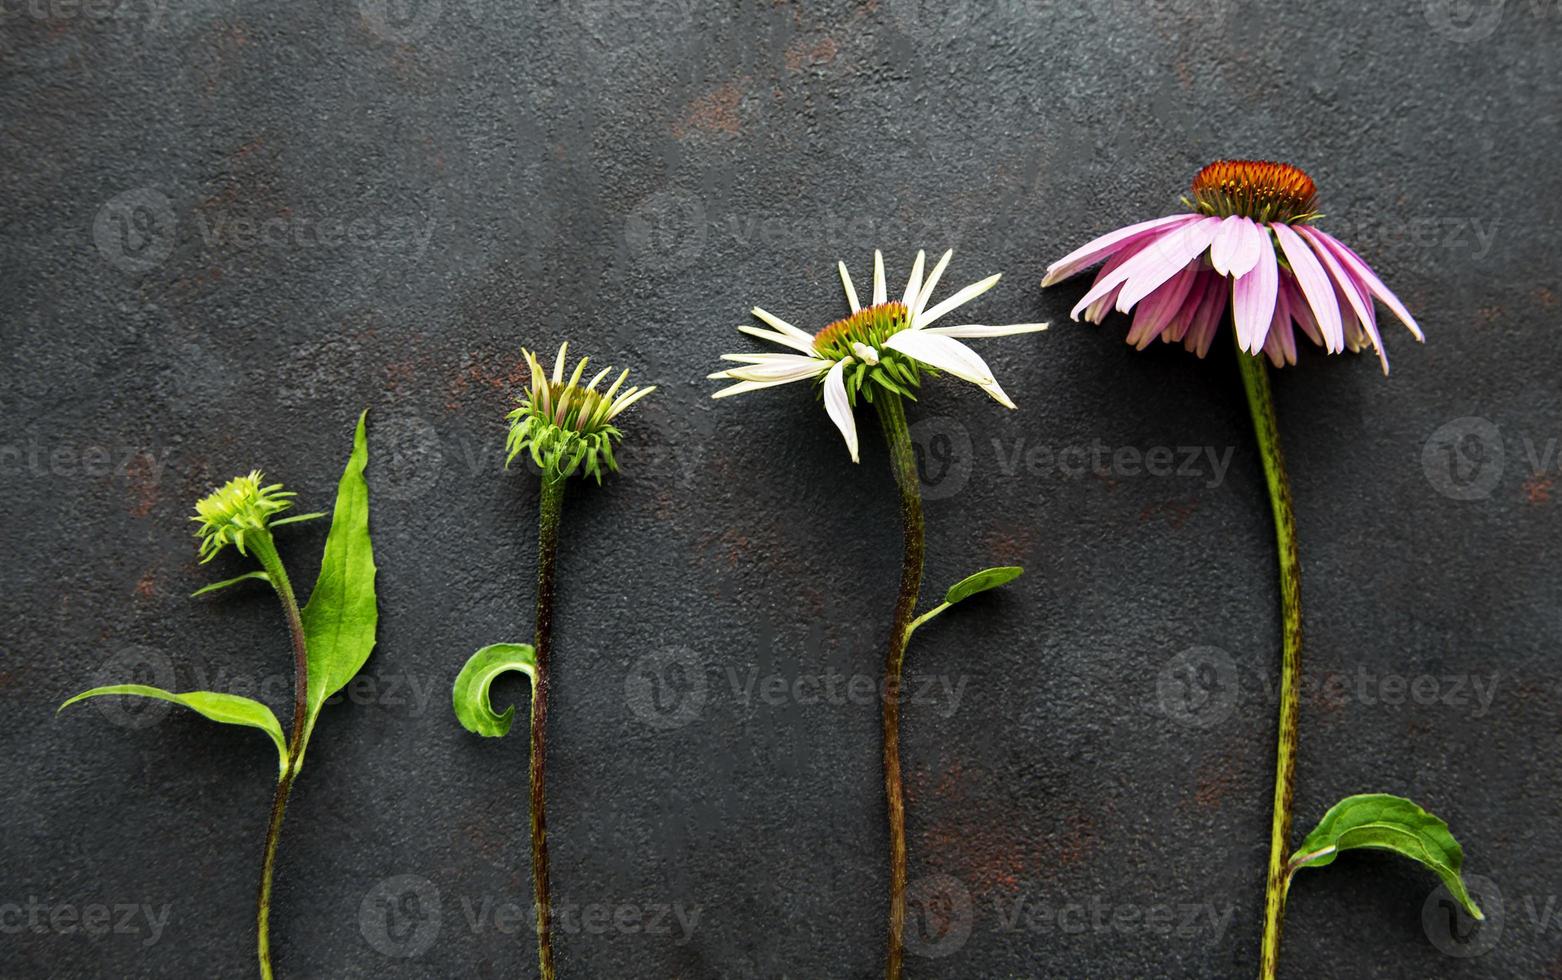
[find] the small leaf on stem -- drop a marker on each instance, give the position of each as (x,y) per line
(987,578)
(1389,823)
(230,709)
(470,694)
(256,574)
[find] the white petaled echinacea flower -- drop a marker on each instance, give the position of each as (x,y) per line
(1249,242)
(887,344)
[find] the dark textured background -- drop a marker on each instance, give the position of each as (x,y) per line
(229,226)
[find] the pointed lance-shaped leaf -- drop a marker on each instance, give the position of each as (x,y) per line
(341,616)
(230,709)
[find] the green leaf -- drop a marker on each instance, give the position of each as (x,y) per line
(340,618)
(1388,823)
(470,694)
(257,574)
(296,518)
(987,578)
(230,709)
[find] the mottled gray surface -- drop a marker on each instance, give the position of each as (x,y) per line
(230,225)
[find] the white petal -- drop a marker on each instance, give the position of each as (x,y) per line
(851,294)
(558,364)
(879,293)
(629,398)
(927,286)
(978,330)
(781,325)
(914,284)
(948,354)
(746,386)
(760,358)
(839,407)
(785,340)
(865,353)
(794,368)
(958,299)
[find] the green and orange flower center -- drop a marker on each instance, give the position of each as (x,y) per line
(871,325)
(1257,189)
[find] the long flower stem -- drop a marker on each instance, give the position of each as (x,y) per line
(903,461)
(1255,379)
(265,552)
(550,510)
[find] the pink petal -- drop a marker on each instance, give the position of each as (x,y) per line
(1281,334)
(1301,311)
(1163,257)
(1368,278)
(1088,255)
(1253,299)
(1234,251)
(1157,310)
(1201,332)
(1092,301)
(1204,281)
(1314,284)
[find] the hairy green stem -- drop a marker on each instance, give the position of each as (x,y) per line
(1255,380)
(903,461)
(550,510)
(265,552)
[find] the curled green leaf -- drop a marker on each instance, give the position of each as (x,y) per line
(256,574)
(1388,823)
(471,691)
(230,709)
(341,616)
(987,578)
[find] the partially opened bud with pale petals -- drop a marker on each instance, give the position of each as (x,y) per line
(567,426)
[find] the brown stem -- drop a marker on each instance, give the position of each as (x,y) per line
(904,463)
(550,510)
